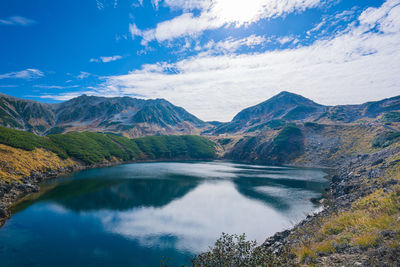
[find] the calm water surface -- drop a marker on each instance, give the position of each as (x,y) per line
(134,214)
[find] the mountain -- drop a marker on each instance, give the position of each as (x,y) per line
(25,114)
(129,116)
(134,117)
(287,107)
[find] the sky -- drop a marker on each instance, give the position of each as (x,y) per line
(212,57)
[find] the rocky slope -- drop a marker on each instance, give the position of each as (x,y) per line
(360,144)
(360,222)
(129,116)
(288,107)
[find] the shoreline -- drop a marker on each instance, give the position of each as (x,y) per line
(351,181)
(346,186)
(13,193)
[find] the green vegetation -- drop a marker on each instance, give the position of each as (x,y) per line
(289,140)
(170,147)
(362,226)
(234,250)
(224,141)
(385,139)
(392,116)
(56,130)
(338,114)
(299,112)
(94,148)
(313,125)
(273,124)
(28,141)
(90,147)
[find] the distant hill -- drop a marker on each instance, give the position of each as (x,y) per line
(287,107)
(125,115)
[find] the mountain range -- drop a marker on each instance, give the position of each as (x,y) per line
(134,117)
(288,107)
(125,115)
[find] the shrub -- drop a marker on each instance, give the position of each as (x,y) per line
(289,142)
(234,250)
(392,116)
(385,139)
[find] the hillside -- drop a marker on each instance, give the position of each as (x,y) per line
(288,107)
(360,144)
(26,159)
(359,225)
(124,115)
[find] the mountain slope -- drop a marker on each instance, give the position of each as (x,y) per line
(284,106)
(288,107)
(25,114)
(129,116)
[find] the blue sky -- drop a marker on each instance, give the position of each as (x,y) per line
(212,57)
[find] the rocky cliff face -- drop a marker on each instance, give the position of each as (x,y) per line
(129,116)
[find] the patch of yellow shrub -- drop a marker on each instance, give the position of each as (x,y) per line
(16,163)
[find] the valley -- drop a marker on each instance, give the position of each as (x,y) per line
(359,143)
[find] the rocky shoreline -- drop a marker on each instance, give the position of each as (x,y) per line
(355,177)
(11,193)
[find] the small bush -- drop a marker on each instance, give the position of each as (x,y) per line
(224,141)
(392,116)
(289,142)
(385,139)
(234,250)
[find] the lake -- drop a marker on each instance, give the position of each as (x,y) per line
(136,214)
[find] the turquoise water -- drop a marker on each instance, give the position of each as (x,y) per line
(136,214)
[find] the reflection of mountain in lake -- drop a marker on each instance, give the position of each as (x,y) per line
(250,187)
(134,214)
(118,194)
(155,187)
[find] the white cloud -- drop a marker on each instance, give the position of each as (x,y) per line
(23,74)
(388,16)
(218,13)
(134,30)
(17,20)
(357,65)
(231,44)
(99,5)
(44,86)
(185,24)
(187,5)
(194,219)
(83,75)
(285,40)
(106,59)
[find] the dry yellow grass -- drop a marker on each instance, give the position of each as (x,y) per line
(16,163)
(361,226)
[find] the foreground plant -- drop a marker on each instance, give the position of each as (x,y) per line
(235,250)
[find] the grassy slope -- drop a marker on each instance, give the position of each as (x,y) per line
(22,152)
(16,163)
(364,224)
(369,156)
